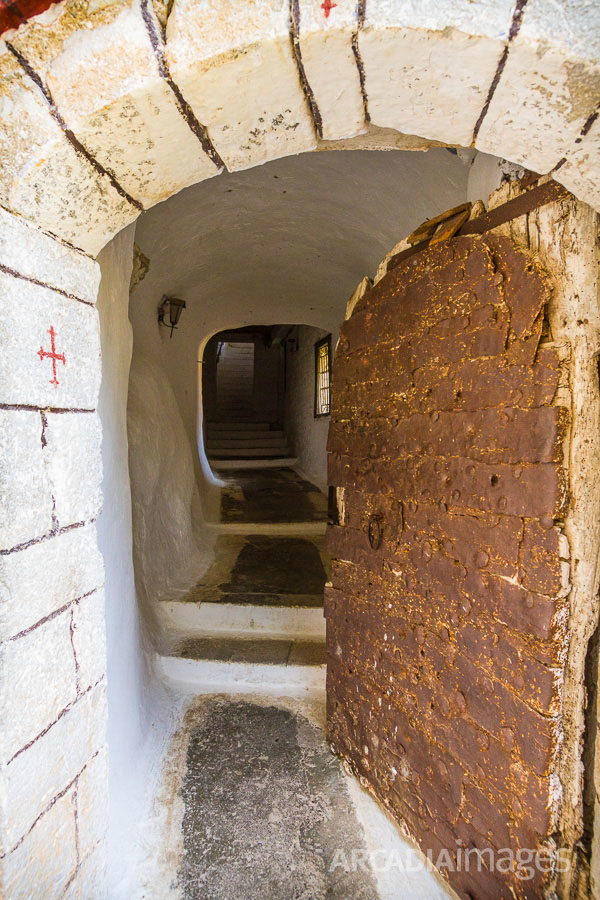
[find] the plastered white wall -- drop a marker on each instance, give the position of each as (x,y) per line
(128,673)
(166,550)
(307,434)
(283,243)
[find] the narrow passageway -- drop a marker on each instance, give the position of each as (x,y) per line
(278,575)
(259,807)
(266,809)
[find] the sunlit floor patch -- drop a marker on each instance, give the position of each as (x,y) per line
(266,809)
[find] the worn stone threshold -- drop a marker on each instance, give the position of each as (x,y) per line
(261,651)
(202,594)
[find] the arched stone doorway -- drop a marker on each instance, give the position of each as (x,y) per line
(106,114)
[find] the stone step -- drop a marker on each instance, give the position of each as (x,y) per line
(276,448)
(248,453)
(276,443)
(185,619)
(280,667)
(239,434)
(278,462)
(265,651)
(238,426)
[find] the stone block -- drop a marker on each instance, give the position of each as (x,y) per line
(72,456)
(28,378)
(90,880)
(25,496)
(27,250)
(553,69)
(429,67)
(252,101)
(581,173)
(331,67)
(89,639)
(37,581)
(38,681)
(92,803)
(43,177)
(103,74)
(52,763)
(42,865)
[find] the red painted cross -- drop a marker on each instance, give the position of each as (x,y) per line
(53,355)
(327,6)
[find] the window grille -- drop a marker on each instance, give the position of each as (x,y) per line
(323,377)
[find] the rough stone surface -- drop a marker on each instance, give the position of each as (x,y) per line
(25,377)
(423,77)
(90,878)
(89,639)
(279,815)
(92,803)
(43,864)
(255,568)
(252,101)
(264,652)
(74,465)
(52,763)
(24,486)
(326,44)
(581,172)
(103,73)
(43,578)
(38,682)
(271,495)
(553,68)
(442,662)
(27,250)
(246,71)
(42,176)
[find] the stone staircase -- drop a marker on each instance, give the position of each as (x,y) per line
(245,440)
(253,623)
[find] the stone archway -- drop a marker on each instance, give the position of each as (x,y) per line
(106,113)
(109,111)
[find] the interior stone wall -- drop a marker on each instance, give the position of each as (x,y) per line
(81,157)
(306,433)
(464,607)
(53,754)
(131,686)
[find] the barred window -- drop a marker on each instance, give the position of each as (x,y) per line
(323,377)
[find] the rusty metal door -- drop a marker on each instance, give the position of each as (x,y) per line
(445,627)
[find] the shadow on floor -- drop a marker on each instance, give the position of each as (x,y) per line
(264,570)
(267,811)
(271,495)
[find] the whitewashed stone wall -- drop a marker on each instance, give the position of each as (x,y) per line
(53,776)
(107,112)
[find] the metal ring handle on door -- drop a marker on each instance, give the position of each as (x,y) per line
(375,531)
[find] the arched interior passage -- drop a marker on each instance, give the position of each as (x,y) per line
(286,242)
(75,129)
(171,486)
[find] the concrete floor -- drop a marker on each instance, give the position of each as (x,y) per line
(245,650)
(270,496)
(264,570)
(250,803)
(265,809)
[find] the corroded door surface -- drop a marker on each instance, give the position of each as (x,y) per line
(446,617)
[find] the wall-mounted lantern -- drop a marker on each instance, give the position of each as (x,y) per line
(171,307)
